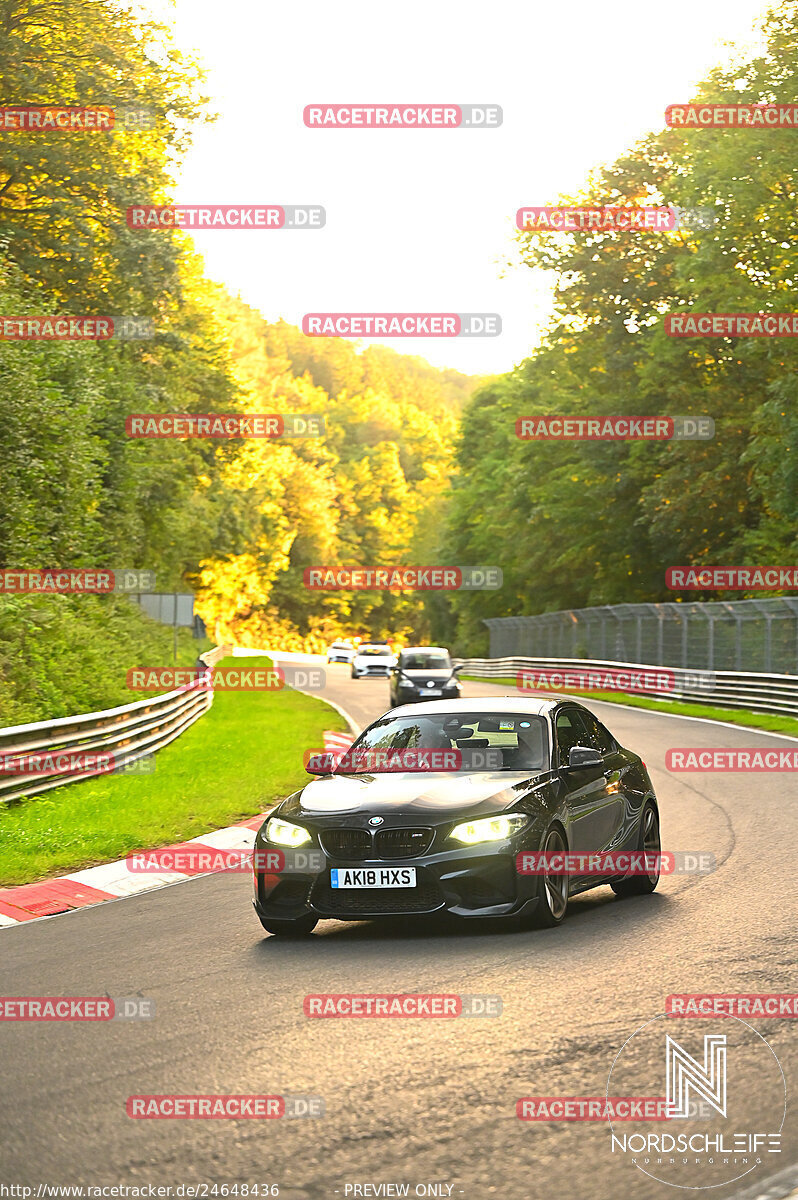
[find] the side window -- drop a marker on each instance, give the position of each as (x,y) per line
(570,732)
(607,740)
(597,736)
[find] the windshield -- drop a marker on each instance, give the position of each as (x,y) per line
(424,661)
(374,651)
(480,741)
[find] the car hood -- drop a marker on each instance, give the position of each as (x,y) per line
(414,793)
(421,676)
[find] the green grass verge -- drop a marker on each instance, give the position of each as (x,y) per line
(735,716)
(236,760)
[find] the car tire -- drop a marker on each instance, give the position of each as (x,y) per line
(649,841)
(552,889)
(298,928)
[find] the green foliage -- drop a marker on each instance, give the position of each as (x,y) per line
(235,521)
(61,655)
(64,195)
(370,492)
(574,524)
(414,467)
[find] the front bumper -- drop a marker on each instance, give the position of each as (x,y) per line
(410,695)
(465,881)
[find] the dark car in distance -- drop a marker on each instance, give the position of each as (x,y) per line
(520,774)
(423,673)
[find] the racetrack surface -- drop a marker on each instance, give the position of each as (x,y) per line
(419,1101)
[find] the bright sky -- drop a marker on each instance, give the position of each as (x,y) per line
(423,220)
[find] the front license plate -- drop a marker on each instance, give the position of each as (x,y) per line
(431,691)
(373,877)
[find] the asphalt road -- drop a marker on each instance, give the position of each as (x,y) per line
(407,1101)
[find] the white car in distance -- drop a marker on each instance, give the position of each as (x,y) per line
(342,651)
(373,658)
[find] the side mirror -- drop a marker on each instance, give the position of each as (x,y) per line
(457,670)
(582,757)
(320,764)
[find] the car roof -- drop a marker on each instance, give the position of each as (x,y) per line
(519,704)
(426,649)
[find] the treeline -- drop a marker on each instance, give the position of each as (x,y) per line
(415,467)
(370,491)
(235,521)
(584,523)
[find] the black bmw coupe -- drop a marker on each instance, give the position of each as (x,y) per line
(437,808)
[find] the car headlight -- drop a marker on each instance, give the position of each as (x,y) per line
(283,833)
(489,829)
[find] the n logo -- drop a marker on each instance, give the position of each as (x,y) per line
(708,1082)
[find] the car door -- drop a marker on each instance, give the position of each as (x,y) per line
(609,820)
(586,789)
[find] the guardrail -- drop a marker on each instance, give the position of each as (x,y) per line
(722,689)
(123,734)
